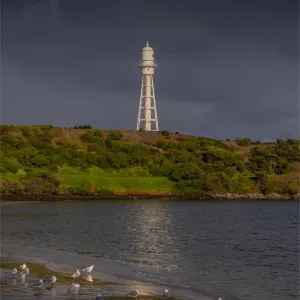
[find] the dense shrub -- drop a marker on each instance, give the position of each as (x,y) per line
(165,133)
(269,186)
(244,142)
(80,190)
(192,164)
(85,126)
(9,187)
(98,134)
(25,131)
(115,136)
(11,165)
(41,182)
(89,137)
(6,129)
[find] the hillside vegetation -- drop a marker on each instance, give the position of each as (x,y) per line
(80,161)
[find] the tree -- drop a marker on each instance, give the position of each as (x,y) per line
(243,142)
(191,171)
(272,162)
(216,182)
(85,126)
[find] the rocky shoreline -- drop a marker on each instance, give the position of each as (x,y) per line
(210,197)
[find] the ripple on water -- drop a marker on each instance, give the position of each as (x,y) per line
(246,249)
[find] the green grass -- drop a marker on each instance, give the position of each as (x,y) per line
(135,180)
(124,180)
(11,176)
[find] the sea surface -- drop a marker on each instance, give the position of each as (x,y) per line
(237,250)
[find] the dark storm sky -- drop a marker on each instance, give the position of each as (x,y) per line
(225,68)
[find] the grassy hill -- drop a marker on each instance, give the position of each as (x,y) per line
(48,160)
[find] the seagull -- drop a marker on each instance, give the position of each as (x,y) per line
(24,273)
(133,294)
(88,278)
(77,274)
(166,294)
(99,297)
(53,279)
(14,271)
(74,288)
(22,267)
(88,269)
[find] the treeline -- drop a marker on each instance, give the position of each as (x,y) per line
(32,158)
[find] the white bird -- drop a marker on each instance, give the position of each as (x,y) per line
(22,267)
(88,269)
(88,278)
(134,294)
(74,288)
(24,273)
(14,271)
(76,274)
(166,294)
(53,279)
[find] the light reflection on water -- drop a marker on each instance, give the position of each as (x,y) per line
(150,228)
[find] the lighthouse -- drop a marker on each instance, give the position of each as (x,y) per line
(147,114)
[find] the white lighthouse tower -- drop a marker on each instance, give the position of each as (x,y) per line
(147,116)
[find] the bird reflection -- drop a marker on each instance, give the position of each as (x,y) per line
(53,294)
(88,278)
(38,294)
(52,289)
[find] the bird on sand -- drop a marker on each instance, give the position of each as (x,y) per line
(74,288)
(22,267)
(133,294)
(166,294)
(25,272)
(53,279)
(76,274)
(88,278)
(88,269)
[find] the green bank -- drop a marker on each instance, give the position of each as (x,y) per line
(37,160)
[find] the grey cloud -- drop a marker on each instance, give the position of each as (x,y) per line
(222,72)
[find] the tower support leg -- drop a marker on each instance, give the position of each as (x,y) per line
(147,114)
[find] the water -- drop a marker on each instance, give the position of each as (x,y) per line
(237,250)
